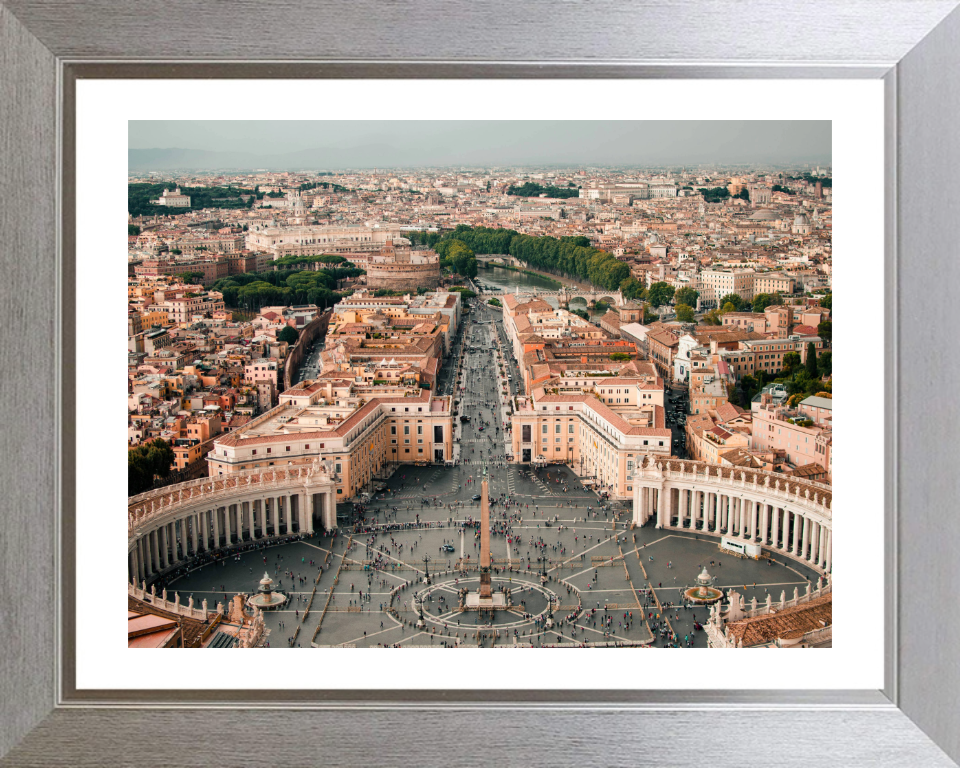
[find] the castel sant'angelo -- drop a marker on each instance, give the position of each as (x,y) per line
(403,269)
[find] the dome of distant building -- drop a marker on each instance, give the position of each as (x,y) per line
(765,214)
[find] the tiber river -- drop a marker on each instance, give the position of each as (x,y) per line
(509,281)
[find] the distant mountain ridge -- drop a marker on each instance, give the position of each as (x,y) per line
(318,158)
(370,155)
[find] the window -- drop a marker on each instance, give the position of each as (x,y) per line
(269,450)
(393,430)
(544,429)
(254,451)
(406,429)
(288,449)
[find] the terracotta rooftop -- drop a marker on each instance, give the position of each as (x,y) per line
(788,624)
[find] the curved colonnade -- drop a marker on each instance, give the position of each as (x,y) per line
(783,514)
(170,526)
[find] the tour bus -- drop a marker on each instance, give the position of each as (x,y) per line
(740,547)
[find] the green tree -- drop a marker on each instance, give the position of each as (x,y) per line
(139,472)
(619,357)
(827,302)
(660,294)
(825,364)
(732,298)
(160,457)
(713,317)
(684,313)
(686,295)
(191,278)
(825,331)
(145,462)
(810,364)
(459,257)
(132,230)
(631,288)
(714,195)
(801,383)
(763,300)
(494,303)
(288,334)
(728,307)
(791,360)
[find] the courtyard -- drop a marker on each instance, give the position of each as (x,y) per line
(577,575)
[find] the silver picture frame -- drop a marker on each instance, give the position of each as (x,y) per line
(45,48)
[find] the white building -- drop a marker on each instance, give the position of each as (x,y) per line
(717,283)
(173,199)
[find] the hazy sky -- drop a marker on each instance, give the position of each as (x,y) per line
(435,142)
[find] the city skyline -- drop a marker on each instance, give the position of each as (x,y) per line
(319,145)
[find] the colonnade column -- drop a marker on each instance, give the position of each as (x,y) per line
(162,544)
(754,514)
(154,559)
(695,511)
(805,545)
(309,511)
(775,532)
(795,547)
(715,510)
(828,549)
(764,521)
(141,557)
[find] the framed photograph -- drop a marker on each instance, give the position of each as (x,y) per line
(501,344)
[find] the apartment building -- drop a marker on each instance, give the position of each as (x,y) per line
(603,445)
(717,283)
(779,428)
(360,437)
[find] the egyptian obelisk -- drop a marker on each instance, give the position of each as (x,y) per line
(485,591)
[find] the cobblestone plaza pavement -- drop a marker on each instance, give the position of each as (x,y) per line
(598,569)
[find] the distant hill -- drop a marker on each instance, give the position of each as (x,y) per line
(318,158)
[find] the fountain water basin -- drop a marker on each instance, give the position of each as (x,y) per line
(703,590)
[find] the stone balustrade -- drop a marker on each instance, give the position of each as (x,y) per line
(171,606)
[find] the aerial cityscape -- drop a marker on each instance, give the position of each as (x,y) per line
(599,395)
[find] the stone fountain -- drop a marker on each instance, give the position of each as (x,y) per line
(266,599)
(703,590)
